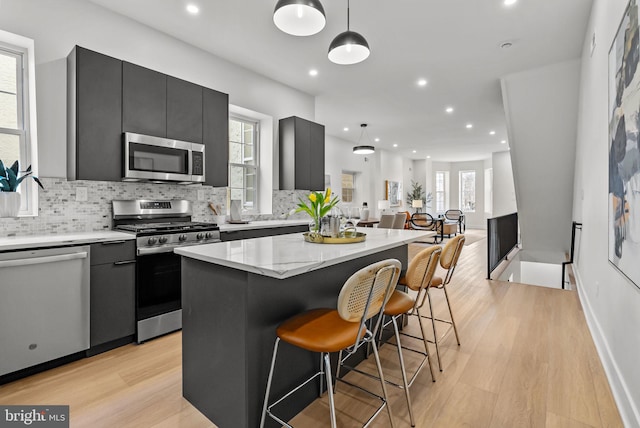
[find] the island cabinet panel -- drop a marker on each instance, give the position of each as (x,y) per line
(230,318)
(215,136)
(144,102)
(112,296)
(184,110)
(301,154)
(95,116)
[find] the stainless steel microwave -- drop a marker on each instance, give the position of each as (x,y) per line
(148,158)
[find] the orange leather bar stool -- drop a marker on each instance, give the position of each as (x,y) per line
(344,329)
(418,277)
(448,261)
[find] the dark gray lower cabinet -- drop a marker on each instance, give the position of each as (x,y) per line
(112,307)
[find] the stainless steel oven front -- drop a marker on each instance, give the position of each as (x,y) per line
(161,159)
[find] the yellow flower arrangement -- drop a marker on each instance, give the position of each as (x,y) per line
(319,206)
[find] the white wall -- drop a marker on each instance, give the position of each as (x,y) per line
(56,26)
(474,220)
(611,303)
(504,192)
(541,106)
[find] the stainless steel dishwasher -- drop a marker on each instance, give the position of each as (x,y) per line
(44,305)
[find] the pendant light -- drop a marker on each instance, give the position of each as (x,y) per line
(348,47)
(363,149)
(299,17)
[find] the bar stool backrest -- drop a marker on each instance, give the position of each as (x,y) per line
(363,295)
(422,267)
(450,254)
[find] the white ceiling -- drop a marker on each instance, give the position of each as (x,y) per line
(454,44)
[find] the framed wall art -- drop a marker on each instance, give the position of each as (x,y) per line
(624,147)
(393,192)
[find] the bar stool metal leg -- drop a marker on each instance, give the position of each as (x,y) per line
(426,343)
(266,395)
(403,371)
(453,321)
(384,386)
(435,334)
(332,406)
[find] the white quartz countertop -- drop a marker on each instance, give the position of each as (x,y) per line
(61,239)
(261,224)
(284,256)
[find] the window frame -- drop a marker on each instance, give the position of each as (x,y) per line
(351,189)
(23,49)
(444,191)
(461,191)
(255,166)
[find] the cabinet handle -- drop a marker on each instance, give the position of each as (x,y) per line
(113,242)
(124,262)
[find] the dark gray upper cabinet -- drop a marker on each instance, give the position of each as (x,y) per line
(144,101)
(301,154)
(107,97)
(94,116)
(184,110)
(215,137)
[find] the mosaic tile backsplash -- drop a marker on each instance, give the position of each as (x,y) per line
(59,212)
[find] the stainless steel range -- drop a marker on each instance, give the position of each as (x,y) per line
(159,226)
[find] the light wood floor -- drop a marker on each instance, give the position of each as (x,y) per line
(526,360)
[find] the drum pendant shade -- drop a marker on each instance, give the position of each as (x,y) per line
(299,17)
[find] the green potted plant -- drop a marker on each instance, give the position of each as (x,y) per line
(10,178)
(417,193)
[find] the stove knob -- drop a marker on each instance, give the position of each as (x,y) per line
(182,238)
(152,241)
(199,236)
(208,235)
(163,240)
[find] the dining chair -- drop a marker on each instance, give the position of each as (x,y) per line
(344,330)
(386,221)
(399,220)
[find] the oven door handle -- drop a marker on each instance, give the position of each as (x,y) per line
(124,262)
(154,250)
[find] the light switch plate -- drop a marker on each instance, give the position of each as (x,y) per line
(81,194)
(201,194)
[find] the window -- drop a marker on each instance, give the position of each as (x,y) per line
(17,112)
(243,162)
(442,184)
(348,186)
(468,191)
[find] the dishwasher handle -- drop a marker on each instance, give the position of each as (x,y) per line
(45,259)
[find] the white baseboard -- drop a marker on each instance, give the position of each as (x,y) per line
(627,408)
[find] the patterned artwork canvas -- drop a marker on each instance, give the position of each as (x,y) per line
(624,150)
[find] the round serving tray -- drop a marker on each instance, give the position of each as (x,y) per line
(351,238)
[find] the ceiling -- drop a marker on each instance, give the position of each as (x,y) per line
(453,44)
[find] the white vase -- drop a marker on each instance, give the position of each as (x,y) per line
(9,204)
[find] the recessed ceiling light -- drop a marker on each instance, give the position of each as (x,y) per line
(345,129)
(422,82)
(428,157)
(469,126)
(193,9)
(492,132)
(395,144)
(313,72)
(503,142)
(509,2)
(376,139)
(414,151)
(449,109)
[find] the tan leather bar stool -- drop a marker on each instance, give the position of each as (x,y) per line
(418,277)
(448,261)
(343,329)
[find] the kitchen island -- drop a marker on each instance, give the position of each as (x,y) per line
(234,295)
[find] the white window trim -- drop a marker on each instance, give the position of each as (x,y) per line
(26,46)
(256,154)
(475,193)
